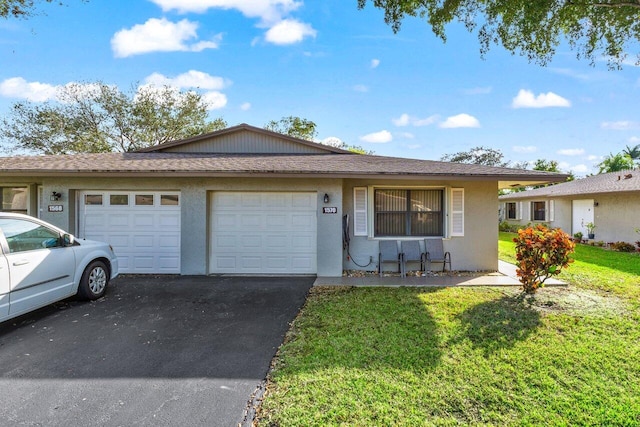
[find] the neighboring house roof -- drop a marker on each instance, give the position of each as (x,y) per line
(245,150)
(614,182)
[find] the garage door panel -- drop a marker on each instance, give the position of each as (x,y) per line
(249,220)
(143,220)
(272,233)
(145,238)
(169,220)
(250,200)
(304,201)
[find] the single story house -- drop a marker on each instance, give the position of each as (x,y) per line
(245,200)
(611,201)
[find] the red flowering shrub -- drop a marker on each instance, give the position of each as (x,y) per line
(541,253)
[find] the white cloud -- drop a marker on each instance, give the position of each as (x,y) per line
(289,31)
(375,63)
(580,169)
(332,141)
(17,87)
(193,79)
(593,157)
(160,35)
(460,121)
(620,125)
(214,100)
(634,140)
(245,106)
(571,152)
(405,120)
(361,88)
(526,99)
(190,79)
(525,149)
(414,146)
(407,135)
(378,137)
(269,11)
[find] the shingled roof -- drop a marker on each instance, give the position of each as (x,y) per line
(245,150)
(614,182)
(205,164)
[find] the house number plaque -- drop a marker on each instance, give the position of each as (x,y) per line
(329,210)
(55,208)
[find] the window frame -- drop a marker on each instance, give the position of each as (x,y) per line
(508,210)
(444,213)
(543,210)
(27,192)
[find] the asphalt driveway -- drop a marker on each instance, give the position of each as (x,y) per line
(156,350)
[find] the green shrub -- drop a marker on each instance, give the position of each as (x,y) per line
(541,253)
(623,247)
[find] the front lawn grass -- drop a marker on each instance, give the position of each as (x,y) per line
(593,268)
(448,356)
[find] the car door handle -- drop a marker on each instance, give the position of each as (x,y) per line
(21,262)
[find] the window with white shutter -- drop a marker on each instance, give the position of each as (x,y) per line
(457,211)
(360,211)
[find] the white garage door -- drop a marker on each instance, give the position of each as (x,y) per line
(142,226)
(263,233)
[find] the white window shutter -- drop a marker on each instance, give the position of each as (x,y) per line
(527,211)
(360,211)
(551,214)
(518,210)
(457,211)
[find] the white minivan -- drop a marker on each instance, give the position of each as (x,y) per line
(41,264)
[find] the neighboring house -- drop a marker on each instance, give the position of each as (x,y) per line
(611,201)
(245,200)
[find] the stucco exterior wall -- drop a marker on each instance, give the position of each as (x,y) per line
(561,214)
(616,215)
(195,195)
(477,250)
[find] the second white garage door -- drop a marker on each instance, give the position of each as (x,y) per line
(263,233)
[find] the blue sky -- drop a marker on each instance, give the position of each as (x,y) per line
(405,95)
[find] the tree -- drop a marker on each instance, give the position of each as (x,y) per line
(633,152)
(550,166)
(594,28)
(479,156)
(94,118)
(615,163)
(22,8)
(294,126)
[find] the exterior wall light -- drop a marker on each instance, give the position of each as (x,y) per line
(326,198)
(55,196)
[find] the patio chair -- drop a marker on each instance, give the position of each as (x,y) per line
(435,253)
(410,252)
(389,253)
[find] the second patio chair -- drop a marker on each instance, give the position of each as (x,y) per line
(411,253)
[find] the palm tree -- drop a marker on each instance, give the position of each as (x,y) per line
(615,163)
(633,152)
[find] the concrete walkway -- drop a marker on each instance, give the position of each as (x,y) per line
(505,276)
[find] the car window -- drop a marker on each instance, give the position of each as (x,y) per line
(23,235)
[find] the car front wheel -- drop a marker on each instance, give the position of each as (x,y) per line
(94,281)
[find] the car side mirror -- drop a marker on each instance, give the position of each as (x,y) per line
(68,239)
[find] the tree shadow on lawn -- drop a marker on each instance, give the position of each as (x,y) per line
(498,324)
